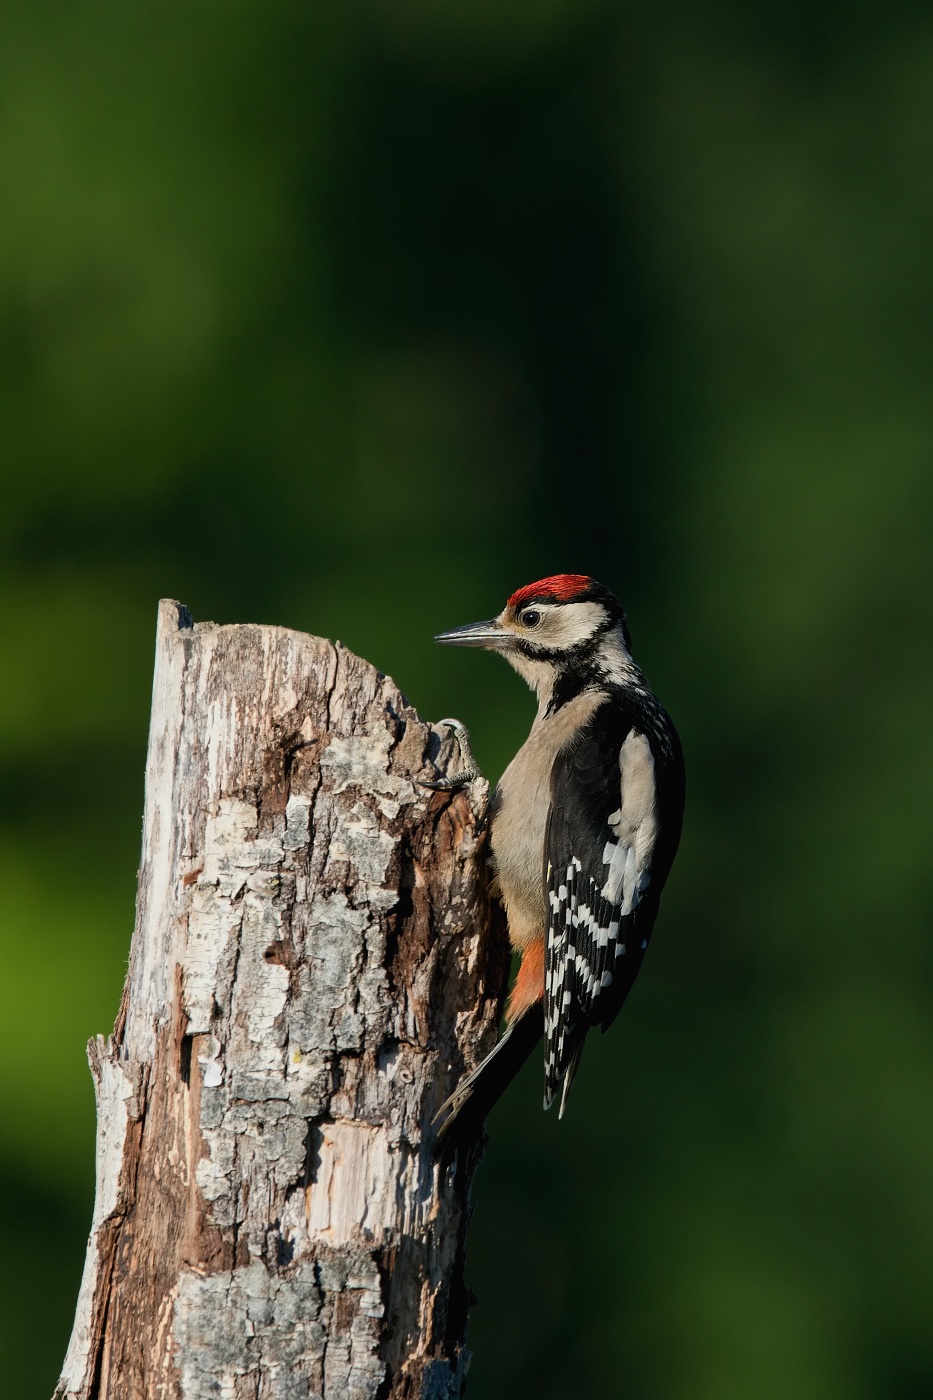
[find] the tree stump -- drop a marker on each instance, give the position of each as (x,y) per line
(311,972)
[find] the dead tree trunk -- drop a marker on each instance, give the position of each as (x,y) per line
(311,971)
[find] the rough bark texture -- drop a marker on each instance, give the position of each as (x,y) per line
(311,971)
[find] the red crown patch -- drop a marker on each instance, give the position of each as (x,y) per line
(560,588)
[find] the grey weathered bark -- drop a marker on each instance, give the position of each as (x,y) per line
(312,969)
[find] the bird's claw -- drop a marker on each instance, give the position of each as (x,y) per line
(467,774)
(452,784)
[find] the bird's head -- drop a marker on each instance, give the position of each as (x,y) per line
(567,627)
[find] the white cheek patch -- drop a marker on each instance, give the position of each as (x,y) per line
(634,826)
(567,625)
(561,626)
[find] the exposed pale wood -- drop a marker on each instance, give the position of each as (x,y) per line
(311,971)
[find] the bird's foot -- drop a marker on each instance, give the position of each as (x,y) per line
(468,773)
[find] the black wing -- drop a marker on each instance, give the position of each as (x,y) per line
(613,829)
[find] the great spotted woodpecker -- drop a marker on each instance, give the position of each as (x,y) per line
(584,826)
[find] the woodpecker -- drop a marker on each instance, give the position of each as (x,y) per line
(584,826)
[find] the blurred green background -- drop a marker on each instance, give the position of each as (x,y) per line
(354,317)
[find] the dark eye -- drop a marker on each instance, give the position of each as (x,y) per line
(530,617)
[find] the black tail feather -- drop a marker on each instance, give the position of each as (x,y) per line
(472,1100)
(570,1073)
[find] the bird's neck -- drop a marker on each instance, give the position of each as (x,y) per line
(605,665)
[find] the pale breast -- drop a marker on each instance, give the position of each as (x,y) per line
(519,817)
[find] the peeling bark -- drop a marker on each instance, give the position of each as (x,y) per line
(313,967)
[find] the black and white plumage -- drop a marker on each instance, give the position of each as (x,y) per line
(584,826)
(606,865)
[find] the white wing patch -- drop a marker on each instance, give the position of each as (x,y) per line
(635,827)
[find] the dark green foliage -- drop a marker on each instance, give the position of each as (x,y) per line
(354,317)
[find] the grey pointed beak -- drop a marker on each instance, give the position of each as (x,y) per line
(478,634)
